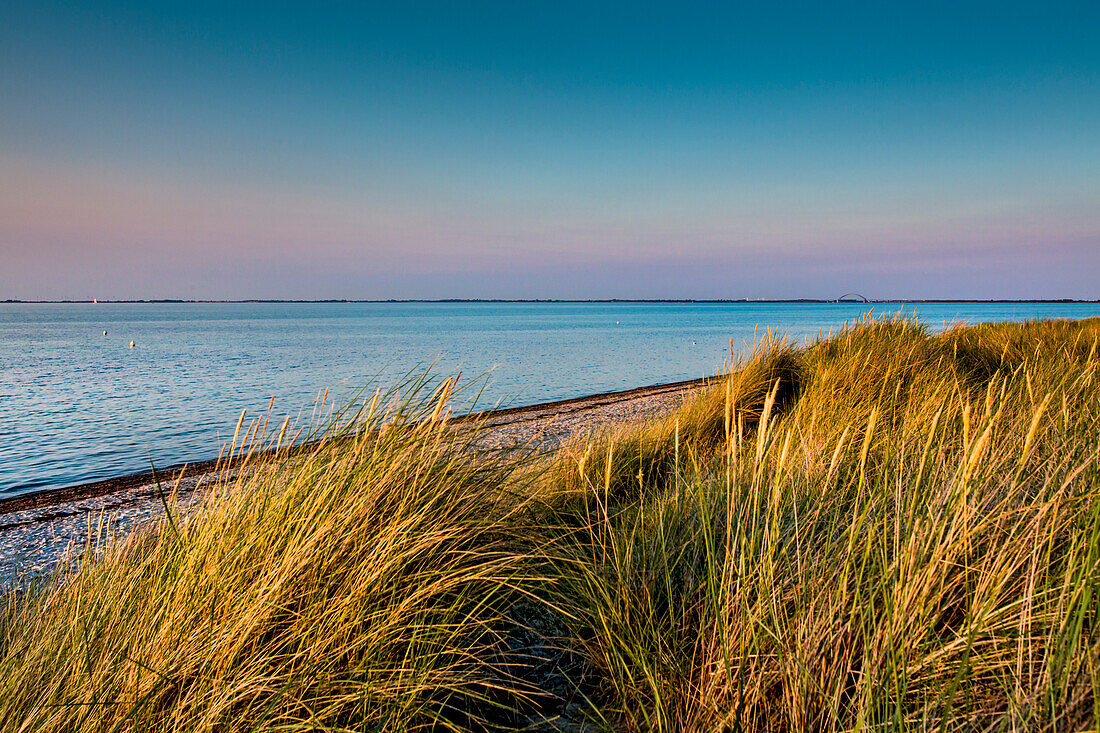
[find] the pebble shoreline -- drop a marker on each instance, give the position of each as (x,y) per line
(32,541)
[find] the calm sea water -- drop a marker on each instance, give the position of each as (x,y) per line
(77,405)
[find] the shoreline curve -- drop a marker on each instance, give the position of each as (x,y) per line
(494,418)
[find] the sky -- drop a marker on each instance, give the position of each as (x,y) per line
(236,150)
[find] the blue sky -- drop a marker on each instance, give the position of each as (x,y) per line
(549,150)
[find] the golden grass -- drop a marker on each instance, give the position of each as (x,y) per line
(903,547)
(883,529)
(363,585)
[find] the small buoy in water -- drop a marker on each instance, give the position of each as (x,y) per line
(131,344)
(104,333)
(616,323)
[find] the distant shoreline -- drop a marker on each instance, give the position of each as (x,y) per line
(869,301)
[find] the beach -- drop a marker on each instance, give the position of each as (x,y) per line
(36,529)
(583,564)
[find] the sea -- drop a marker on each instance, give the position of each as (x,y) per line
(79,403)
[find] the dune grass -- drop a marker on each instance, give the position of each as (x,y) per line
(903,547)
(364,585)
(883,529)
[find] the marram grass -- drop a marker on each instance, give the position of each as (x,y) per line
(360,586)
(883,529)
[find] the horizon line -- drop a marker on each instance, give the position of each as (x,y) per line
(540,300)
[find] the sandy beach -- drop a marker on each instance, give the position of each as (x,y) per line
(35,529)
